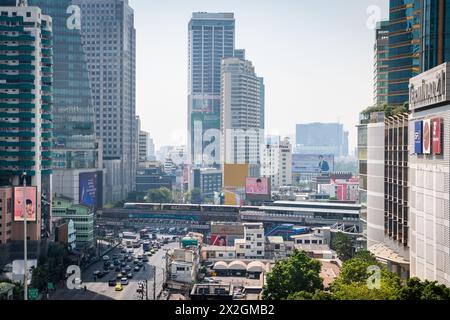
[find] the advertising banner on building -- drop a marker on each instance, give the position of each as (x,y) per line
(426,136)
(257,186)
(418,142)
(437,136)
(312,163)
(218,240)
(29,206)
(88,189)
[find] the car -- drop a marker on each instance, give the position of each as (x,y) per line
(111,267)
(117,268)
(145,259)
(105,258)
(102,274)
(115,256)
(130,275)
(96,273)
(112,282)
(123,264)
(137,269)
(124,250)
(119,275)
(124,281)
(149,254)
(127,268)
(116,262)
(118,287)
(123,271)
(140,257)
(140,264)
(129,259)
(136,261)
(130,250)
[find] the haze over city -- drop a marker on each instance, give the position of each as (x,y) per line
(316,58)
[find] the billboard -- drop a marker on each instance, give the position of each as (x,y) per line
(418,143)
(426,136)
(312,163)
(30,203)
(218,240)
(437,136)
(234,175)
(257,186)
(88,189)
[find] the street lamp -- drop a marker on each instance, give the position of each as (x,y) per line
(25,238)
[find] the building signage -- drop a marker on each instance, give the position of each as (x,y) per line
(426,136)
(418,147)
(437,136)
(429,88)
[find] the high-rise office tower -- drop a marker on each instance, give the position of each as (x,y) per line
(26,114)
(262,103)
(211,38)
(404,48)
(75,149)
(109,39)
(435,33)
(241,114)
(381,63)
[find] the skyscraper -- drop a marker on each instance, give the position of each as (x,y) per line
(381,63)
(404,48)
(211,38)
(75,150)
(435,34)
(241,114)
(109,39)
(26,111)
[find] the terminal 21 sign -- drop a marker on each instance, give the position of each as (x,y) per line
(428,136)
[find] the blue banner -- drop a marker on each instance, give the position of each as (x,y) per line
(418,137)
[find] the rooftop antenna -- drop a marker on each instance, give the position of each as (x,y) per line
(22,3)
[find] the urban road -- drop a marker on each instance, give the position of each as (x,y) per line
(100,290)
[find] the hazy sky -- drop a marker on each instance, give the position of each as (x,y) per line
(316,58)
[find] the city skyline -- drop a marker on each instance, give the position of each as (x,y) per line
(163,64)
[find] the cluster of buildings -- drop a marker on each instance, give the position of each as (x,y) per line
(67,113)
(403,158)
(240,254)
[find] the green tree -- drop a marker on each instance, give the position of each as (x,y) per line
(196,196)
(343,245)
(424,290)
(40,278)
(353,284)
(296,274)
(318,295)
(161,195)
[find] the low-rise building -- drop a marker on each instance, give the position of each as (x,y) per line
(212,291)
(82,216)
(207,180)
(276,248)
(254,240)
(184,265)
(318,236)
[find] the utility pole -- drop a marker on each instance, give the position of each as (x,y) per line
(146,290)
(25,239)
(154,282)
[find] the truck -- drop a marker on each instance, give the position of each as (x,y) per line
(146,246)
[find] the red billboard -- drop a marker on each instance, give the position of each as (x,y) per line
(218,240)
(437,136)
(29,206)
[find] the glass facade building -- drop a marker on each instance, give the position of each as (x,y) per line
(109,40)
(381,63)
(211,38)
(74,145)
(404,48)
(435,41)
